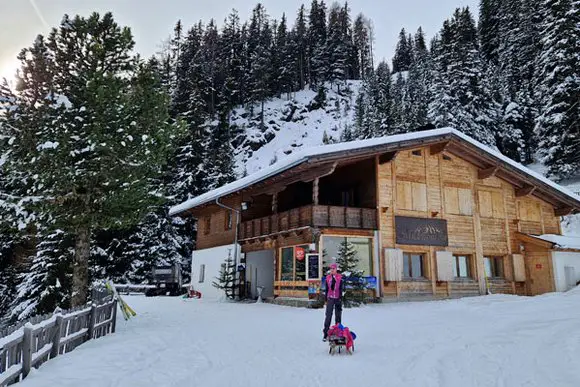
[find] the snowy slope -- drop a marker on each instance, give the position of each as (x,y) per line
(484,341)
(291,125)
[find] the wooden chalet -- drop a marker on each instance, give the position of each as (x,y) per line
(432,214)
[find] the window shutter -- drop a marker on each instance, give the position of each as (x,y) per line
(393,264)
(519,268)
(445,266)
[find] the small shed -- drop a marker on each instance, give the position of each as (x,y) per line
(552,262)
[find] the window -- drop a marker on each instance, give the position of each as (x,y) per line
(362,246)
(458,201)
(462,266)
(201,273)
(446,158)
(411,196)
(413,265)
(416,153)
(493,267)
(347,198)
(207,224)
(293,268)
(228,220)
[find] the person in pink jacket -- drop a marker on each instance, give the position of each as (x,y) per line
(333,296)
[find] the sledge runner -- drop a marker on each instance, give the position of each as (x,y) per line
(334,291)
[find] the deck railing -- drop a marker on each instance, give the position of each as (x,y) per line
(310,216)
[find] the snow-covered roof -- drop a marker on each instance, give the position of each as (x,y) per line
(561,241)
(304,155)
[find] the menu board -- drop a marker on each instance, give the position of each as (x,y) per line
(313,266)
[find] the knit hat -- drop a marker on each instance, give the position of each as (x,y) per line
(333,266)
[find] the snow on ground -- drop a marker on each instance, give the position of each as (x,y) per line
(487,341)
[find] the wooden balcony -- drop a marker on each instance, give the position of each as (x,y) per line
(310,216)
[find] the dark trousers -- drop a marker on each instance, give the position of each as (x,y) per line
(336,305)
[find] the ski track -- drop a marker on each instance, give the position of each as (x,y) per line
(494,340)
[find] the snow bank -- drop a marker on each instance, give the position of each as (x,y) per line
(487,341)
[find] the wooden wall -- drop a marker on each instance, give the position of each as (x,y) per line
(218,234)
(482,216)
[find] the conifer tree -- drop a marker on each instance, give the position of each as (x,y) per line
(99,125)
(558,126)
(347,261)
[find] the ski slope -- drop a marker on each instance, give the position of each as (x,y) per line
(487,341)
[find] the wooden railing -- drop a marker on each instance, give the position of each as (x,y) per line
(316,216)
(40,340)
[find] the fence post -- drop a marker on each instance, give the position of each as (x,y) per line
(57,336)
(92,321)
(27,350)
(114,316)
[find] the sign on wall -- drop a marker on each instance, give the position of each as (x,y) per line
(313,266)
(421,231)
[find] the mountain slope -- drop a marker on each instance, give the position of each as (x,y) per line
(292,124)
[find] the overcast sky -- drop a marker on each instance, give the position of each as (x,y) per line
(152,21)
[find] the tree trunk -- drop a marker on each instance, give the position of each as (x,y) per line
(81,267)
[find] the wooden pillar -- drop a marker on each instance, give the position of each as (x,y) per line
(275,203)
(315,191)
(478,264)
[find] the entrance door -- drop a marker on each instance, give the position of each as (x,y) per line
(540,273)
(260,272)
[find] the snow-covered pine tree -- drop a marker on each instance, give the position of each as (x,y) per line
(459,97)
(155,242)
(347,261)
(231,56)
(362,43)
(283,60)
(317,40)
(300,42)
(96,130)
(489,29)
(417,84)
(46,281)
(558,76)
(403,53)
(336,47)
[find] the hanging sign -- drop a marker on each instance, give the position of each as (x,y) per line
(300,253)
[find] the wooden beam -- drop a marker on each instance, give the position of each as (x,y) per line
(563,211)
(487,172)
(525,191)
(315,191)
(387,157)
(438,148)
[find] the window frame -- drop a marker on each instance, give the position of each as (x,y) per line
(293,247)
(469,262)
(228,223)
(409,256)
(207,224)
(493,259)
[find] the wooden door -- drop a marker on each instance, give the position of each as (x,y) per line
(540,270)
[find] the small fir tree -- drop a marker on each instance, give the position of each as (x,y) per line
(226,280)
(347,261)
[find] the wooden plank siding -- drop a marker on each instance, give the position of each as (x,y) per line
(482,216)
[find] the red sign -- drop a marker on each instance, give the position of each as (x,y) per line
(538,265)
(300,253)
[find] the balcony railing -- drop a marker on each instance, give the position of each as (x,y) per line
(316,216)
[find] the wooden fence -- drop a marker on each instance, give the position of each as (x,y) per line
(45,337)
